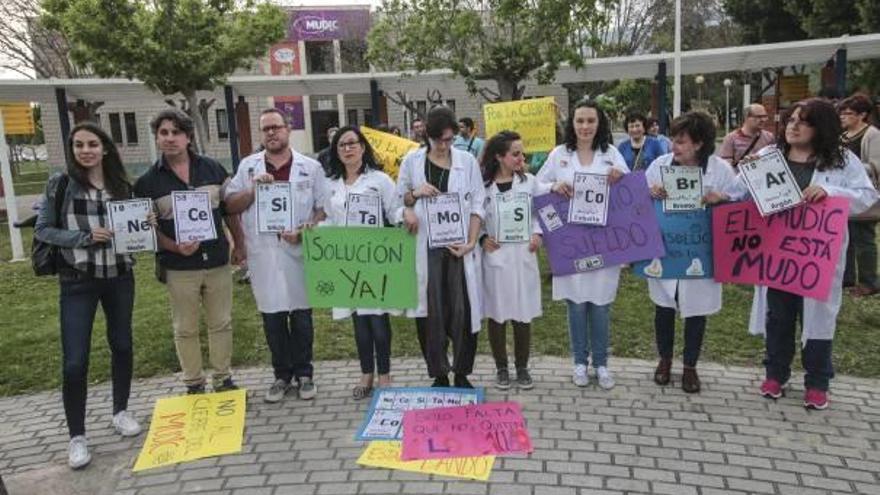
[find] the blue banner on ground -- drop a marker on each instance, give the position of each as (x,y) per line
(384,419)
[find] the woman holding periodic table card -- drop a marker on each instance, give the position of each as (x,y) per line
(511,280)
(693,142)
(821,167)
(75,219)
(589,295)
(360,194)
(440,193)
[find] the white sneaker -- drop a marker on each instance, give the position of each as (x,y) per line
(606,382)
(579,377)
(78,452)
(125,424)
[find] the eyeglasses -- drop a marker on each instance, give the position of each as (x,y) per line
(349,145)
(272,128)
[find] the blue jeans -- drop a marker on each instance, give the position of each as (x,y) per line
(290,337)
(79,297)
(372,334)
(588,328)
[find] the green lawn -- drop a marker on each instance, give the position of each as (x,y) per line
(29,341)
(31,178)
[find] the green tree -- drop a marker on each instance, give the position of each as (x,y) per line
(173,46)
(506,41)
(760,21)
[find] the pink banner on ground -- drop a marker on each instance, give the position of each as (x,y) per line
(796,250)
(466,431)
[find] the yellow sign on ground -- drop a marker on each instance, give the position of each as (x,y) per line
(389,149)
(386,454)
(534,120)
(192,427)
(18,118)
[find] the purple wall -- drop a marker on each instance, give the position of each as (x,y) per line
(308,25)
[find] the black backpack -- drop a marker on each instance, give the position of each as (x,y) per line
(45,257)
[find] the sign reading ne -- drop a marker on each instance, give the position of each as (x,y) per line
(274,207)
(193,220)
(687,237)
(684,188)
(771,183)
(129,221)
(389,149)
(589,203)
(534,120)
(386,454)
(384,418)
(513,217)
(796,250)
(360,267)
(446,222)
(364,210)
(630,234)
(497,428)
(190,427)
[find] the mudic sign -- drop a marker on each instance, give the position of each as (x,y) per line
(330,24)
(315,25)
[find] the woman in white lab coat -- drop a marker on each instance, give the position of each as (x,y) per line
(693,142)
(447,277)
(588,295)
(354,173)
(821,168)
(511,280)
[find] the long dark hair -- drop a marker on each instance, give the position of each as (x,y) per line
(499,144)
(821,116)
(336,168)
(601,140)
(116,179)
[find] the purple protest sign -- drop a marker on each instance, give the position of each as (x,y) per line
(318,25)
(630,234)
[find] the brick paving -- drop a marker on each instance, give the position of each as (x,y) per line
(637,438)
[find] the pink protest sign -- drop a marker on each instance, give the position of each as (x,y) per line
(467,431)
(795,250)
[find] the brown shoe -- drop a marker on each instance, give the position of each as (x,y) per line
(690,382)
(663,371)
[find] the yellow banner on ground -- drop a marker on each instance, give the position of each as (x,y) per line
(18,118)
(192,427)
(534,120)
(386,454)
(389,149)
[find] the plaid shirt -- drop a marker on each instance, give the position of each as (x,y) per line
(84,210)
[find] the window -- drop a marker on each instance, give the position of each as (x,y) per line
(422,107)
(222,124)
(352,117)
(115,128)
(319,57)
(131,130)
(368,117)
(353,54)
(451,105)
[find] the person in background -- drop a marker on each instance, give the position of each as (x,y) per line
(863,139)
(821,168)
(588,295)
(654,131)
(324,155)
(417,132)
(467,139)
(749,138)
(640,149)
(90,272)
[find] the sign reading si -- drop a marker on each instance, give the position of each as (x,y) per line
(274,207)
(132,231)
(687,237)
(630,234)
(190,427)
(796,250)
(480,429)
(684,188)
(193,220)
(771,183)
(534,120)
(360,267)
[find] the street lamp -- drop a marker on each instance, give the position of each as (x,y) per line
(700,80)
(727,84)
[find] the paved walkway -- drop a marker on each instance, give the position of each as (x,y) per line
(637,438)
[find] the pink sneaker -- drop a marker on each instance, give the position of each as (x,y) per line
(771,389)
(815,399)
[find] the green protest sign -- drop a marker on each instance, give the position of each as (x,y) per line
(360,267)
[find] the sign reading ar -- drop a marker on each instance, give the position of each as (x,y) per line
(771,183)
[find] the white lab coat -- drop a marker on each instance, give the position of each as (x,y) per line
(371,182)
(511,280)
(465,179)
(275,266)
(820,317)
(597,286)
(696,297)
